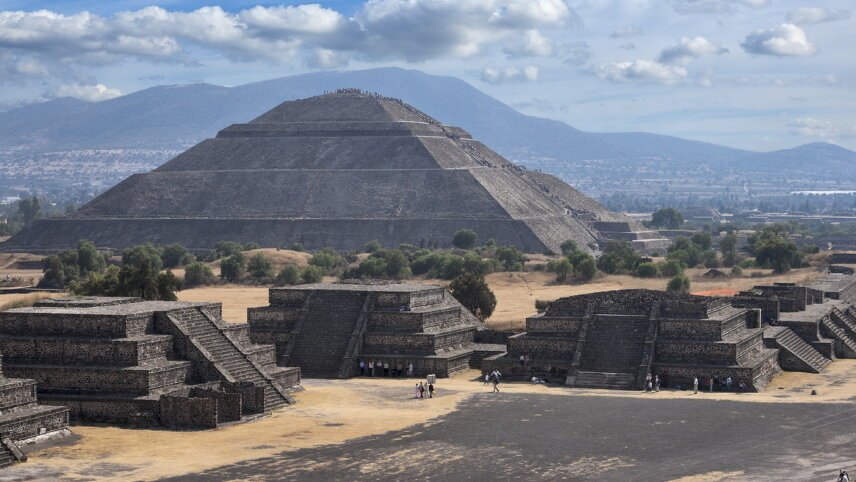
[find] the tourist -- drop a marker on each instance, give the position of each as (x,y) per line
(648,382)
(842,476)
(399,369)
(416,391)
(410,369)
(495,384)
(666,379)
(430,390)
(362,368)
(371,368)
(522,360)
(486,378)
(741,386)
(695,385)
(421,390)
(728,384)
(386,368)
(710,383)
(657,383)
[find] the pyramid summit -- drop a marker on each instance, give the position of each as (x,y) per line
(338,170)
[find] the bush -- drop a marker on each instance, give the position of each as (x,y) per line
(232,269)
(668,218)
(510,258)
(541,305)
(296,247)
(372,246)
(586,269)
(312,274)
(709,259)
(290,275)
(679,283)
(260,267)
(197,273)
(737,271)
(563,268)
(473,293)
(568,247)
(671,267)
(328,260)
(701,239)
(464,239)
(647,270)
(224,249)
(618,257)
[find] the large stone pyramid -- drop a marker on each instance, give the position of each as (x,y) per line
(338,170)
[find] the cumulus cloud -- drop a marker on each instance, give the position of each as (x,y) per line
(412,30)
(820,129)
(689,49)
(810,15)
(91,93)
(641,71)
(627,31)
(715,6)
(506,75)
(782,40)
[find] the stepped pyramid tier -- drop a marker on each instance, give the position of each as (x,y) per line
(327,328)
(614,339)
(149,363)
(23,420)
(339,170)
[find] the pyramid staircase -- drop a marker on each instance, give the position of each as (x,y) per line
(612,381)
(838,330)
(226,355)
(10,453)
(787,340)
(325,334)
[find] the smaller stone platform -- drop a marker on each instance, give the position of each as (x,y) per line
(327,328)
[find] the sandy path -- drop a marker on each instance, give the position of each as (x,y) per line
(334,411)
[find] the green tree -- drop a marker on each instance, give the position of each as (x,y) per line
(29,210)
(511,258)
(232,269)
(138,276)
(372,246)
(778,253)
(175,255)
(312,274)
(465,239)
(89,259)
(260,266)
(586,269)
(290,275)
(701,239)
(224,249)
(618,257)
(728,248)
(568,247)
(679,283)
(563,268)
(667,218)
(167,285)
(327,259)
(472,292)
(196,274)
(53,271)
(671,267)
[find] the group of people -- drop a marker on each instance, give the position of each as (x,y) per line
(421,389)
(719,384)
(384,368)
(843,476)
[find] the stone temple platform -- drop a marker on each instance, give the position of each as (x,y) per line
(326,328)
(613,339)
(22,419)
(145,363)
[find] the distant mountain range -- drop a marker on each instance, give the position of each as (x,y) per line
(175,117)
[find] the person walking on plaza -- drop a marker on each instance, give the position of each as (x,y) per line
(695,385)
(362,368)
(410,369)
(430,390)
(710,388)
(495,384)
(421,390)
(648,382)
(399,369)
(416,391)
(386,368)
(657,383)
(728,384)
(371,368)
(486,378)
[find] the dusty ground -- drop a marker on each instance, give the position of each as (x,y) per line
(12,300)
(333,412)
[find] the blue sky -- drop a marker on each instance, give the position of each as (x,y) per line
(756,74)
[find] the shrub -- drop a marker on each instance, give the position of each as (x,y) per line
(586,269)
(737,271)
(510,257)
(671,267)
(568,247)
(312,274)
(668,218)
(372,246)
(328,260)
(197,273)
(224,249)
(709,259)
(541,305)
(647,270)
(563,268)
(679,283)
(296,247)
(290,275)
(260,267)
(175,255)
(464,239)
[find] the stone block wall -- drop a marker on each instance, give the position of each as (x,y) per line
(188,412)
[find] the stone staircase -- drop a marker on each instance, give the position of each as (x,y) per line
(614,344)
(787,340)
(322,343)
(226,355)
(612,381)
(839,333)
(7,457)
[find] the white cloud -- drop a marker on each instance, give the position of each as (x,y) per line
(689,49)
(782,40)
(821,129)
(640,71)
(533,45)
(575,53)
(627,31)
(326,59)
(91,93)
(810,15)
(715,6)
(510,74)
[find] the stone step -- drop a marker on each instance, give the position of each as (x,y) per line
(788,340)
(615,381)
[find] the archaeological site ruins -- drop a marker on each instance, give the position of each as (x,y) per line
(339,170)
